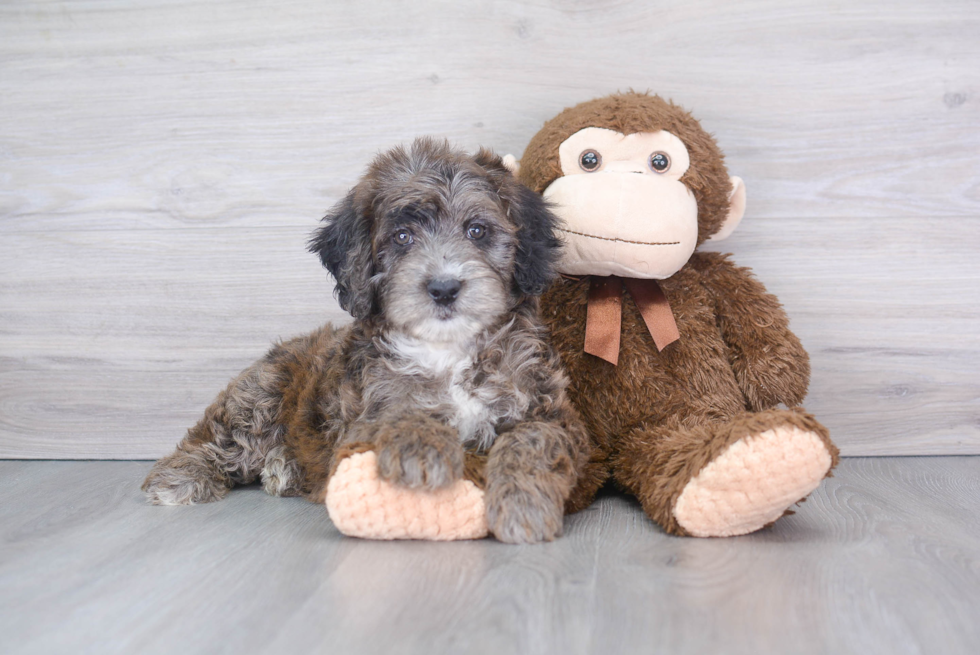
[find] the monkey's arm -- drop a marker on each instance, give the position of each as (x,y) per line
(769,361)
(400,477)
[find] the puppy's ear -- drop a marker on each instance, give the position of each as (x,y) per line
(538,249)
(343,244)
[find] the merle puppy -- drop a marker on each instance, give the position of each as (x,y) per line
(440,257)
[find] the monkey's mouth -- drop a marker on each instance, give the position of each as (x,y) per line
(638,243)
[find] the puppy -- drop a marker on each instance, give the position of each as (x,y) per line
(439,257)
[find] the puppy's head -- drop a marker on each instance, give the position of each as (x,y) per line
(436,243)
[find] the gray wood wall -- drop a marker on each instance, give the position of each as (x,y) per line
(161,165)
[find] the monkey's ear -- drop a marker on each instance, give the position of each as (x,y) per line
(736,209)
(343,244)
(510,163)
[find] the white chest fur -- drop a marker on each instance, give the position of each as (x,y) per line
(450,365)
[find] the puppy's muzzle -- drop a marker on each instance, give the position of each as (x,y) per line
(444,291)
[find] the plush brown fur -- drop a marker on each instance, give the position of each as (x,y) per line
(435,387)
(658,418)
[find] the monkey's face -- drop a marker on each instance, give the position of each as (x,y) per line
(625,208)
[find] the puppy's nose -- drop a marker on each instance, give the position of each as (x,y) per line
(443,292)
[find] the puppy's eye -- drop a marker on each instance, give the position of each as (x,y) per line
(589,160)
(659,162)
(402,237)
(476,231)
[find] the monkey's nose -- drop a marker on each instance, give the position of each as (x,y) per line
(443,292)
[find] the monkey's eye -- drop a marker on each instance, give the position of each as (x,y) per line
(476,231)
(589,160)
(659,162)
(402,237)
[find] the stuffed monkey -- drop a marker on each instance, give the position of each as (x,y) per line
(678,359)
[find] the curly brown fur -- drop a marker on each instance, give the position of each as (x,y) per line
(437,384)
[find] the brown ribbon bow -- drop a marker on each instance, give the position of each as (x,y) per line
(605,313)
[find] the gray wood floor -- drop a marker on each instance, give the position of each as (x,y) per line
(884,558)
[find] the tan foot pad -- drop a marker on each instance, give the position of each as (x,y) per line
(752,483)
(361,504)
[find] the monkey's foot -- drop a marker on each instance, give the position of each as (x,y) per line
(753,482)
(361,504)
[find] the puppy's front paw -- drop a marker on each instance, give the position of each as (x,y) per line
(426,458)
(524,511)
